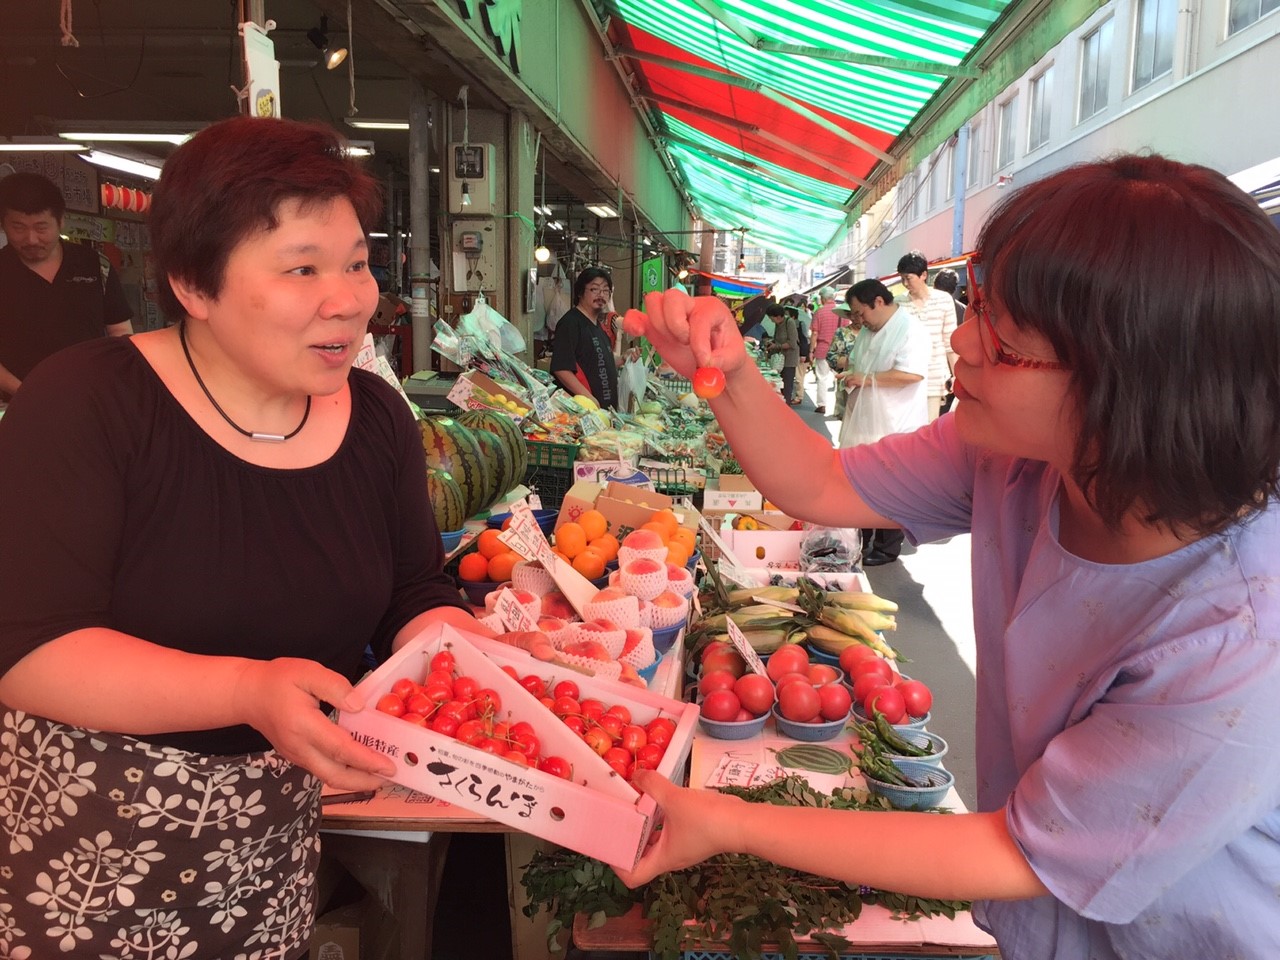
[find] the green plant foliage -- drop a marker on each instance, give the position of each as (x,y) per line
(741,901)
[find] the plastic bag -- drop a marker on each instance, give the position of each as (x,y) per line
(491,328)
(632,379)
(831,550)
(865,418)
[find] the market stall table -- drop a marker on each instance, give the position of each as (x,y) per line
(875,932)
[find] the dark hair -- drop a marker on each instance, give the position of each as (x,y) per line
(913,262)
(1158,283)
(584,280)
(227,183)
(775,310)
(866,291)
(31,193)
(946,280)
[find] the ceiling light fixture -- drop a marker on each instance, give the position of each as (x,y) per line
(113,161)
(319,37)
(377,124)
(104,136)
(541,253)
(602,210)
(40,145)
(360,148)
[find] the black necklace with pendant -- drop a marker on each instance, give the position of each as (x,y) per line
(251,434)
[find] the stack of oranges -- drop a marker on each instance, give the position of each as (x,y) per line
(586,544)
(491,561)
(679,540)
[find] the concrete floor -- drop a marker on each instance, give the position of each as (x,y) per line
(932,587)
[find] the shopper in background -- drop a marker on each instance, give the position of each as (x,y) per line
(785,343)
(582,353)
(205,527)
(825,323)
(936,311)
(838,353)
(948,281)
(1115,457)
(52,293)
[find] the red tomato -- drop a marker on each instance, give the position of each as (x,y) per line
(917,697)
(716,680)
(390,703)
(799,702)
(727,659)
(721,705)
(755,693)
(886,700)
(708,382)
(789,658)
(556,766)
(566,688)
(715,646)
(820,673)
(865,684)
(876,666)
(854,654)
(787,678)
(835,701)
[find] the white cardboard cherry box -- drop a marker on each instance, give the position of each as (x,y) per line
(597,813)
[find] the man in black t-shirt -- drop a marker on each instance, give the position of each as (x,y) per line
(52,294)
(582,353)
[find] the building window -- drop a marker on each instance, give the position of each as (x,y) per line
(918,187)
(973,174)
(1006,124)
(1095,71)
(937,173)
(1041,97)
(906,193)
(1245,12)
(1153,40)
(949,171)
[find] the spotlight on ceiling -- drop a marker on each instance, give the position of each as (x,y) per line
(541,253)
(319,37)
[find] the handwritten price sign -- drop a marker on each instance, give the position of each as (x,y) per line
(514,615)
(743,646)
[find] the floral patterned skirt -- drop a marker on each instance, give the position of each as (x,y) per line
(112,847)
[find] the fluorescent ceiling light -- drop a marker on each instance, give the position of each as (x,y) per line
(377,124)
(544,209)
(555,225)
(113,161)
(435,169)
(106,137)
(360,148)
(602,210)
(40,145)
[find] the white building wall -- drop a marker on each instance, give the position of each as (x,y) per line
(1218,106)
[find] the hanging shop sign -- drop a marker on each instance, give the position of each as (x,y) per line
(501,21)
(262,71)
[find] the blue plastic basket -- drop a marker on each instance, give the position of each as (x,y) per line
(937,781)
(810,732)
(732,729)
(921,738)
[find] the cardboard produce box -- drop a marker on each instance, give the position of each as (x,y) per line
(337,934)
(626,507)
(597,813)
(731,493)
(773,545)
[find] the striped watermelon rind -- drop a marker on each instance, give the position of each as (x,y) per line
(514,447)
(451,447)
(447,502)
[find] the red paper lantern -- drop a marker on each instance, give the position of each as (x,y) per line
(108,194)
(126,198)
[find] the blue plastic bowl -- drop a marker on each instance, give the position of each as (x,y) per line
(693,561)
(821,656)
(827,730)
(935,783)
(546,520)
(732,729)
(476,590)
(648,673)
(451,539)
(664,639)
(921,738)
(913,723)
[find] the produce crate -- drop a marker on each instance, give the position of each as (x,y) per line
(549,483)
(544,453)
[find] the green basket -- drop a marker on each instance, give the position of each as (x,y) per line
(544,453)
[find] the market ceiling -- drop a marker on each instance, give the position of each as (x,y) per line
(776,112)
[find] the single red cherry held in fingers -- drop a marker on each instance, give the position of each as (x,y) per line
(708,382)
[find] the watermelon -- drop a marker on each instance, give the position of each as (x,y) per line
(495,463)
(451,447)
(447,501)
(516,452)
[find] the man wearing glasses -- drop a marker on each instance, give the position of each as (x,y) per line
(937,311)
(582,353)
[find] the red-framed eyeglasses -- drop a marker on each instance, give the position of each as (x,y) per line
(991,342)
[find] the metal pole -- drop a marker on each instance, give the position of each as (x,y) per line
(960,179)
(419,225)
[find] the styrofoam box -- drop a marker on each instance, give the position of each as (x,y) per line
(597,813)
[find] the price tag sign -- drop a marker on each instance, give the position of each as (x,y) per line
(542,406)
(589,425)
(524,529)
(535,502)
(743,646)
(460,392)
(513,615)
(727,566)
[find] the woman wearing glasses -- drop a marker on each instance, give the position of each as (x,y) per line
(1115,457)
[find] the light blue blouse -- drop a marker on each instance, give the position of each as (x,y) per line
(1127,715)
